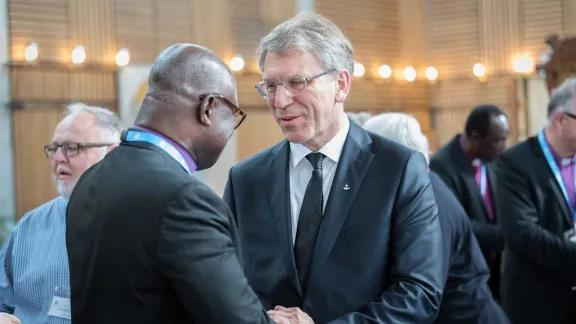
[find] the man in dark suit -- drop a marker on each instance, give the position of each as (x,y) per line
(466,297)
(147,242)
(336,225)
(536,181)
(465,166)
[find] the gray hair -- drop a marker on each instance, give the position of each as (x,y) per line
(359,118)
(562,98)
(311,33)
(109,123)
(401,128)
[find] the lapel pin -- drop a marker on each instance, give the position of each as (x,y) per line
(346,187)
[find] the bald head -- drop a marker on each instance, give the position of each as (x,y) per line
(189,70)
(182,73)
(192,99)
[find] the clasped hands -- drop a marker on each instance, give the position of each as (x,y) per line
(292,315)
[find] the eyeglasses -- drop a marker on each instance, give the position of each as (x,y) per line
(571,115)
(239,115)
(71,149)
(268,89)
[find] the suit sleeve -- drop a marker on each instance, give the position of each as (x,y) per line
(489,236)
(6,275)
(521,228)
(416,260)
(197,254)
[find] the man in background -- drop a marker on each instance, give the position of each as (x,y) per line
(34,280)
(536,185)
(466,297)
(465,166)
(318,246)
(147,241)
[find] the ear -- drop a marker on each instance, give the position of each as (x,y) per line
(205,110)
(342,86)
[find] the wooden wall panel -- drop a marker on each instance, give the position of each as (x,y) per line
(247,29)
(495,33)
(455,99)
(499,32)
(257,132)
(62,86)
(541,18)
(91,23)
(454,36)
(569,17)
(212,25)
(371,25)
(33,177)
(173,22)
(41,21)
(136,29)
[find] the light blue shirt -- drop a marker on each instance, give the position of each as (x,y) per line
(34,264)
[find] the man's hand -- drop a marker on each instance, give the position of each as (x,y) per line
(293,315)
(6,318)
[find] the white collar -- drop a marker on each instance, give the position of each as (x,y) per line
(332,149)
(566,161)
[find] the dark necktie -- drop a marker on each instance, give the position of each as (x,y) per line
(309,219)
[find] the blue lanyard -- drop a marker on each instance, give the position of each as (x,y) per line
(483,185)
(138,136)
(555,170)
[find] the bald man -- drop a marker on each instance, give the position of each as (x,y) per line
(148,242)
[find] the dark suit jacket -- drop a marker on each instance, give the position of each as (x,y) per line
(148,243)
(378,257)
(467,298)
(540,262)
(454,168)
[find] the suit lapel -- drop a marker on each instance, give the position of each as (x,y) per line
(352,167)
(278,187)
(491,173)
(566,212)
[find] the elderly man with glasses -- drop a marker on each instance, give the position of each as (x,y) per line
(34,280)
(337,225)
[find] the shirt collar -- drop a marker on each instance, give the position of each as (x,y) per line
(561,162)
(332,149)
(185,154)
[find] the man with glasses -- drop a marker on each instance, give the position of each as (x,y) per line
(34,280)
(536,181)
(336,224)
(147,241)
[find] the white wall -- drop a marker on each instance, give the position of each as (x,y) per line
(131,79)
(7,195)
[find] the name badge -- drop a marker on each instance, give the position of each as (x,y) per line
(60,307)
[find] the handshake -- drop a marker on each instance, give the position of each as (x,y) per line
(293,315)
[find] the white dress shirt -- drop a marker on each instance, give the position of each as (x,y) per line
(301,171)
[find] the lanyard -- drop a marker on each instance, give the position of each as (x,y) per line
(483,181)
(139,136)
(555,170)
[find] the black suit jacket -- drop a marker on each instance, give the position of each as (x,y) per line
(378,257)
(454,168)
(540,262)
(148,243)
(467,298)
